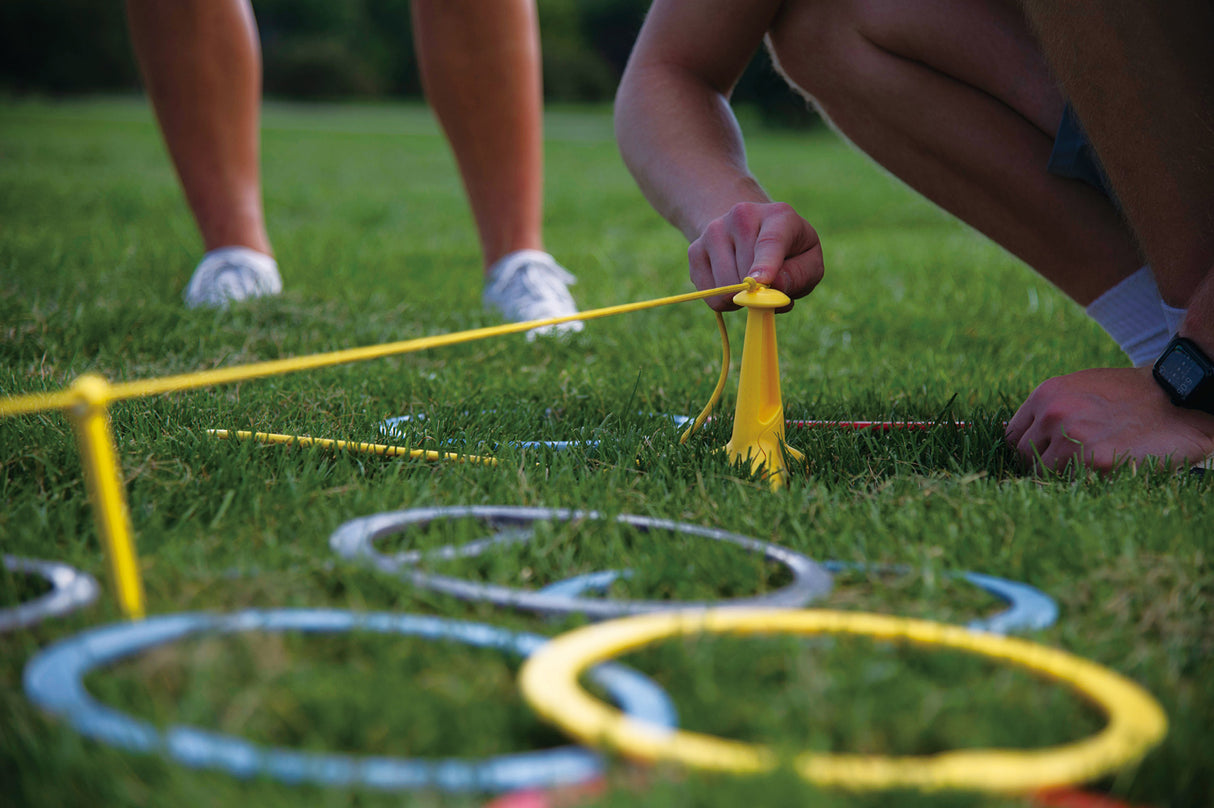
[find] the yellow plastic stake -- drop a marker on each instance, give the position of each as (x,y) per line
(758,423)
(94,435)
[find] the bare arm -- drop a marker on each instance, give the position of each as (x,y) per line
(679,138)
(673,122)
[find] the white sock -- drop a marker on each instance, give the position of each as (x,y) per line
(519,256)
(244,255)
(1173,316)
(1133,315)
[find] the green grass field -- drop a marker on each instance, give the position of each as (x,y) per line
(918,318)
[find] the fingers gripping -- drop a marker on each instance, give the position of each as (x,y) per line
(765,241)
(712,263)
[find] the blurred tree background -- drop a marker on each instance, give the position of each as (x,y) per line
(348,49)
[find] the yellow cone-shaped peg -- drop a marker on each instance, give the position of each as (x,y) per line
(758,423)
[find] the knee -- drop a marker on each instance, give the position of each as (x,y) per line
(826,46)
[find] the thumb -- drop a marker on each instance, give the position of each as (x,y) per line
(780,237)
(770,253)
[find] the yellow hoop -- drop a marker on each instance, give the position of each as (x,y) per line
(1136,722)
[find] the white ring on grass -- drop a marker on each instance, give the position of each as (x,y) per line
(71,589)
(1029,609)
(54,681)
(390,428)
(356,540)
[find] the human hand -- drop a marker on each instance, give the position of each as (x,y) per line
(1106,417)
(766,241)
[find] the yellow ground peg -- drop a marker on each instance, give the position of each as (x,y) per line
(94,435)
(758,423)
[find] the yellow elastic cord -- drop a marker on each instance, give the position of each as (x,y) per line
(351,446)
(37,402)
(716,394)
(749,285)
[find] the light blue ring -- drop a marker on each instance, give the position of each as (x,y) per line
(1029,608)
(54,681)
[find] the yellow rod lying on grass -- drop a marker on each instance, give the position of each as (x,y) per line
(352,446)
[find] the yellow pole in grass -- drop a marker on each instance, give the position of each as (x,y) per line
(758,423)
(95,437)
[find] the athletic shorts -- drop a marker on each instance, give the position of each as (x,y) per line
(1074,157)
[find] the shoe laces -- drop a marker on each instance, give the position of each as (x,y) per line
(543,282)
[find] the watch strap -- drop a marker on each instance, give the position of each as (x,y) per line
(1198,379)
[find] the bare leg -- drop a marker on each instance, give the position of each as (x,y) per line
(1141,77)
(480,65)
(1142,80)
(953,97)
(201,62)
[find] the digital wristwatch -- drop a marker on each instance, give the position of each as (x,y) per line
(1186,374)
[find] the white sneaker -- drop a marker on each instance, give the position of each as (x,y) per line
(229,275)
(531,285)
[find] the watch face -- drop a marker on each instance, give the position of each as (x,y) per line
(1180,371)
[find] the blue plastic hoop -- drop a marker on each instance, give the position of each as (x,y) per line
(54,681)
(1029,609)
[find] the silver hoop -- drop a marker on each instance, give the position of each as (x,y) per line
(71,589)
(356,540)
